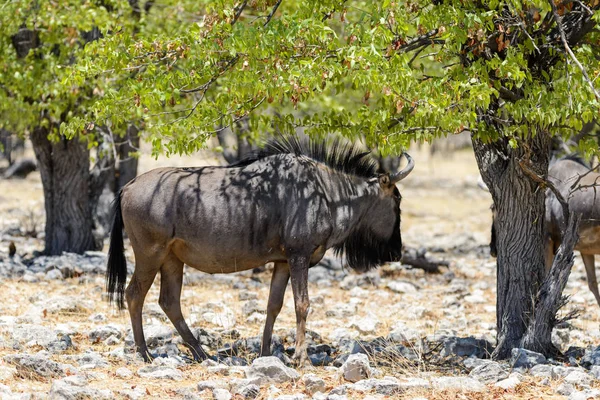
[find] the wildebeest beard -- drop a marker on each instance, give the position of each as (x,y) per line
(365,251)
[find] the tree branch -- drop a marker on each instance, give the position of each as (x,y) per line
(546,183)
(272,12)
(563,38)
(420,41)
(206,86)
(330,13)
(580,177)
(507,94)
(238,12)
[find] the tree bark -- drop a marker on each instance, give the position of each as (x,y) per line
(110,175)
(549,300)
(64,168)
(127,165)
(519,223)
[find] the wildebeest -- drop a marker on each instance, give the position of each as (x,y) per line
(583,199)
(285,204)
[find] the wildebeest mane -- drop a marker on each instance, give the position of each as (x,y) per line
(575,157)
(364,251)
(337,154)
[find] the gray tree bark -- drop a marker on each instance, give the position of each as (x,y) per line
(520,206)
(64,168)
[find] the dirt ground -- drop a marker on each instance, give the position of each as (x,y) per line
(442,209)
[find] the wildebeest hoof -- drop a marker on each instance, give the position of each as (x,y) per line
(146,356)
(201,355)
(302,362)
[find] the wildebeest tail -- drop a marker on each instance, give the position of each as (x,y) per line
(116,271)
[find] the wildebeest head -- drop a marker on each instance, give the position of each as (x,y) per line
(375,238)
(378,240)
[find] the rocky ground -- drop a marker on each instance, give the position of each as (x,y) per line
(392,333)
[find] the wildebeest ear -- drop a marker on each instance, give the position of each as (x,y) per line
(384,180)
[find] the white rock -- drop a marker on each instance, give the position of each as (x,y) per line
(156,335)
(53,274)
(342,333)
(565,389)
(359,292)
(160,372)
(541,370)
(356,368)
(221,394)
(489,372)
(7,373)
(585,394)
(578,378)
(256,318)
(337,397)
(34,335)
(401,333)
(123,372)
(38,364)
(477,297)
(271,369)
(248,391)
(212,384)
(341,310)
(386,387)
(97,317)
(220,315)
(415,383)
(313,383)
(252,306)
(523,358)
(365,325)
(401,287)
(76,387)
(102,333)
(138,392)
(4,390)
(509,383)
(458,383)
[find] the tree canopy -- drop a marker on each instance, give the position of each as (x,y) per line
(41,44)
(391,71)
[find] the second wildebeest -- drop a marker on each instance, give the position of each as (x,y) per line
(286,204)
(572,177)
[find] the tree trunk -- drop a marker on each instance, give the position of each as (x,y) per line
(549,300)
(128,165)
(64,168)
(519,223)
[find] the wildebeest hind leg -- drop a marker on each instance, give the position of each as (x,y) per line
(590,270)
(141,280)
(171,282)
(279,281)
(299,274)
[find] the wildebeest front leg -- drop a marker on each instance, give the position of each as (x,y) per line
(590,270)
(171,282)
(299,274)
(279,281)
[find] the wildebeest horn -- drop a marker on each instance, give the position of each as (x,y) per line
(398,176)
(482,184)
